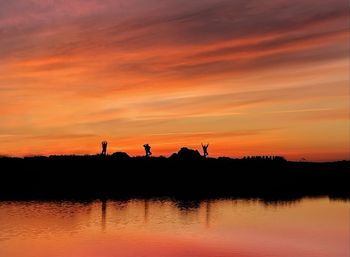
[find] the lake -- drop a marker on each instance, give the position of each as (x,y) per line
(311,227)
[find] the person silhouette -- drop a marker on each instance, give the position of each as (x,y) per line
(205,150)
(104,148)
(147,150)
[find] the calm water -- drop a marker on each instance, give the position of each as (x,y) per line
(241,228)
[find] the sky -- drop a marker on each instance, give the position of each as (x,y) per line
(246,76)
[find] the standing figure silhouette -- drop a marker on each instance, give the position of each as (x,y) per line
(205,150)
(104,148)
(147,150)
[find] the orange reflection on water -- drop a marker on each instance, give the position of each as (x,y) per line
(237,228)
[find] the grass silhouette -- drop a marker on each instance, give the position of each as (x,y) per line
(185,174)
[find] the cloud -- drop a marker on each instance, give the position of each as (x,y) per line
(150,67)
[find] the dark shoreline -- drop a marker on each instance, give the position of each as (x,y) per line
(122,177)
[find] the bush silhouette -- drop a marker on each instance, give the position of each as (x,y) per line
(120,155)
(186,154)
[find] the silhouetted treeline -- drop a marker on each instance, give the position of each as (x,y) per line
(267,158)
(183,175)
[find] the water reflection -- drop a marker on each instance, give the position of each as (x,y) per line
(149,227)
(208,213)
(146,209)
(104,214)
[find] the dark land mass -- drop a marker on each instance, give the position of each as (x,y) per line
(185,175)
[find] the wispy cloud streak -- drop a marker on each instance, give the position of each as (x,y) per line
(75,72)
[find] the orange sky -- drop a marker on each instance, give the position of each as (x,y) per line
(248,77)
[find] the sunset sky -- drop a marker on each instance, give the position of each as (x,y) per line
(249,77)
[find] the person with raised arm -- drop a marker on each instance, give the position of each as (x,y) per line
(205,150)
